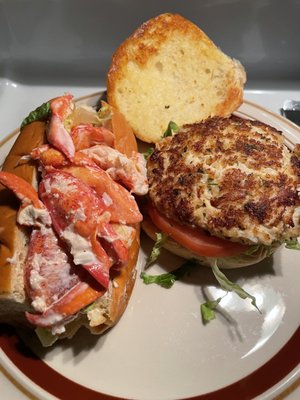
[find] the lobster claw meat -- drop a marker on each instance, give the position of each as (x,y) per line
(57,135)
(21,188)
(50,158)
(78,214)
(32,211)
(87,135)
(119,202)
(131,172)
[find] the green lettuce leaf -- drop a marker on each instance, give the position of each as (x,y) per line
(41,113)
(160,241)
(164,280)
(167,280)
(45,336)
(148,152)
(172,128)
(292,244)
(229,286)
(207,309)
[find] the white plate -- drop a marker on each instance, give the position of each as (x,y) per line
(160,348)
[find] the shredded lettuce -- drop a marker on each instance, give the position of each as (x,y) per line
(45,336)
(252,249)
(172,128)
(160,240)
(41,113)
(259,248)
(229,286)
(167,280)
(148,152)
(252,255)
(292,244)
(88,308)
(207,309)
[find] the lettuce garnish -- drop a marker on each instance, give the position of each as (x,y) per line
(164,280)
(257,248)
(41,113)
(172,128)
(292,244)
(160,241)
(229,286)
(46,337)
(207,309)
(167,280)
(148,152)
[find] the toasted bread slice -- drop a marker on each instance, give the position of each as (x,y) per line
(168,69)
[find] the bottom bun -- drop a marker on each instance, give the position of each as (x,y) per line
(238,261)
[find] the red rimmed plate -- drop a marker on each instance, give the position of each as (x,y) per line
(160,349)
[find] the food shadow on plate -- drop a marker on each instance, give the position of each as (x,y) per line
(26,342)
(76,348)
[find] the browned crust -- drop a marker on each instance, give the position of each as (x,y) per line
(159,28)
(232,101)
(178,188)
(31,136)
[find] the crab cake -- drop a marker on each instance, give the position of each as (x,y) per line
(232,177)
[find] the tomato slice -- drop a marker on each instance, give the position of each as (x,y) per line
(196,240)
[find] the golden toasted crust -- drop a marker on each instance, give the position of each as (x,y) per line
(230,176)
(168,69)
(31,136)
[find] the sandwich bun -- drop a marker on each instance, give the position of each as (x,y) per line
(169,70)
(14,299)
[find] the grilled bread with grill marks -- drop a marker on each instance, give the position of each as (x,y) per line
(168,69)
